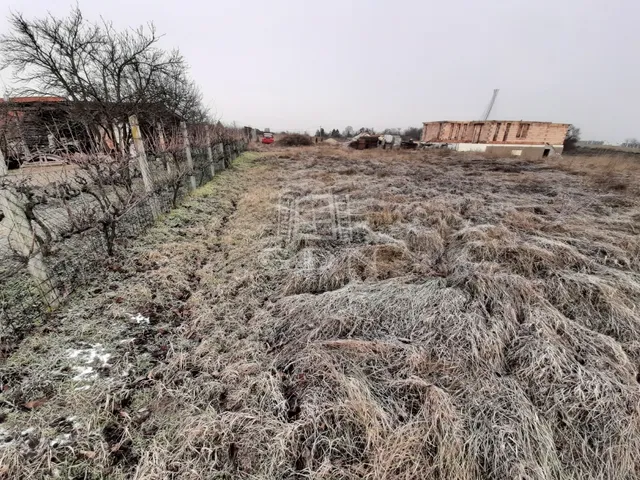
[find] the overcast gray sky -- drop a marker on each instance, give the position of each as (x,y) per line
(293,64)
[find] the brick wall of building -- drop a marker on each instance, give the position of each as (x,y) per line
(494,132)
(431,132)
(556,134)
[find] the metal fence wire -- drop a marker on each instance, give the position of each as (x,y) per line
(59,225)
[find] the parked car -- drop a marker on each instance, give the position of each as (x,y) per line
(267,138)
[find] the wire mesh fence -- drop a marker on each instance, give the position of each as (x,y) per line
(61,223)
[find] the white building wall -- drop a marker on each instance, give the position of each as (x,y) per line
(482,147)
(469,147)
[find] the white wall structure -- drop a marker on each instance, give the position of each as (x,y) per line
(482,147)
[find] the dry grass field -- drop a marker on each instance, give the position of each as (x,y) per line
(330,314)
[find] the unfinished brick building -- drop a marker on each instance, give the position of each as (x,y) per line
(503,137)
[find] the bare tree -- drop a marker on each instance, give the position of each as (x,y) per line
(415,133)
(180,94)
(111,73)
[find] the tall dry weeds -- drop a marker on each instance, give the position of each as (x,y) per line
(393,315)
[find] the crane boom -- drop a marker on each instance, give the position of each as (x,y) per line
(487,112)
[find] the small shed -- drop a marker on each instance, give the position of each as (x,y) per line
(364,142)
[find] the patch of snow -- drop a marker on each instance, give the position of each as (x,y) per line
(28,431)
(95,354)
(61,440)
(140,319)
(83,387)
(84,373)
(89,359)
(75,422)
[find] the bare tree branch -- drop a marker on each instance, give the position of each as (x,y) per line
(117,72)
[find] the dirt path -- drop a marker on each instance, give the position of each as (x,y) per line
(86,387)
(341,315)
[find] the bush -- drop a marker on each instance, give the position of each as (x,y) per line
(295,140)
(572,138)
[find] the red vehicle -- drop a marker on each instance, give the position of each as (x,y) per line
(267,138)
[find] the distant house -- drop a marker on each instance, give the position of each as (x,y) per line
(23,125)
(364,141)
(21,108)
(37,129)
(519,138)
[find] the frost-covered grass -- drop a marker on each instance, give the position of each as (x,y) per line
(324,313)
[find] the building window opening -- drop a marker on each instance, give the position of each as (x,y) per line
(523,130)
(506,132)
(495,136)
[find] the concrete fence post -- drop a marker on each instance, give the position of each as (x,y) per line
(23,239)
(210,152)
(142,161)
(4,169)
(232,151)
(227,155)
(167,157)
(187,151)
(220,153)
(119,137)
